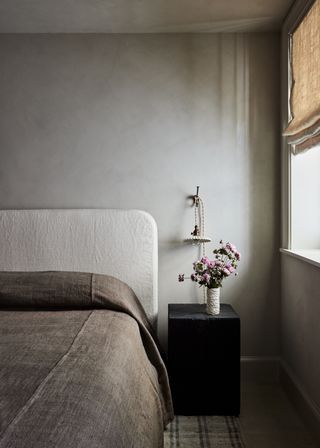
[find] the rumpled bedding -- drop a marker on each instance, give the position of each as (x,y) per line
(79,364)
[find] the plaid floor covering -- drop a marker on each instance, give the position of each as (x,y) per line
(203,432)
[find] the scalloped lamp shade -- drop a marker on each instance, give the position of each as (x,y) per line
(197,239)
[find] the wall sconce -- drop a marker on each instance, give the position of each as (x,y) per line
(197,235)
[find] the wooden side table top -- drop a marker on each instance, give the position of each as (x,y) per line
(192,311)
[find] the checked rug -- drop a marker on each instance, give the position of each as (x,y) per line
(203,432)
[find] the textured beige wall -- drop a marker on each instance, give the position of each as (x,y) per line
(137,121)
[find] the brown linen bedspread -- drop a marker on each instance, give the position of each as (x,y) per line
(79,366)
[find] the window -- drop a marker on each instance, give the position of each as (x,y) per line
(302,132)
(305,202)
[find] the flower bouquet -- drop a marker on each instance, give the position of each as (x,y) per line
(211,273)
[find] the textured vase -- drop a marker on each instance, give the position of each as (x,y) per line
(213,300)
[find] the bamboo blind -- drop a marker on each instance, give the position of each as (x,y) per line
(303,130)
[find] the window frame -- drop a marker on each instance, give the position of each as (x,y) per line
(294,17)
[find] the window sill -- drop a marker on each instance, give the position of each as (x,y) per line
(311,256)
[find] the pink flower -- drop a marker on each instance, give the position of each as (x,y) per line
(231,269)
(205,260)
(206,278)
(226,271)
(193,277)
(211,264)
(237,255)
(231,247)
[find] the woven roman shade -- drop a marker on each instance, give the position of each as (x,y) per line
(303,131)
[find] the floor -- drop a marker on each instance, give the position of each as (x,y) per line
(268,420)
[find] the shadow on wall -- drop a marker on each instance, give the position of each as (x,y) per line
(240,185)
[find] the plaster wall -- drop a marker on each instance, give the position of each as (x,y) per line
(137,121)
(300,325)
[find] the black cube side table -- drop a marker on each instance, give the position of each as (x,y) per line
(204,360)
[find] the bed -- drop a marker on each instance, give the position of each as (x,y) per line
(80,365)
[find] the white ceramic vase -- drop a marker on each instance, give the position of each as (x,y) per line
(213,300)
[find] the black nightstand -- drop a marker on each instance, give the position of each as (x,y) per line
(204,360)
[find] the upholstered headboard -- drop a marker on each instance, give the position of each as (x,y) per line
(122,243)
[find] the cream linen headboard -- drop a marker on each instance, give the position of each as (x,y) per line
(122,243)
